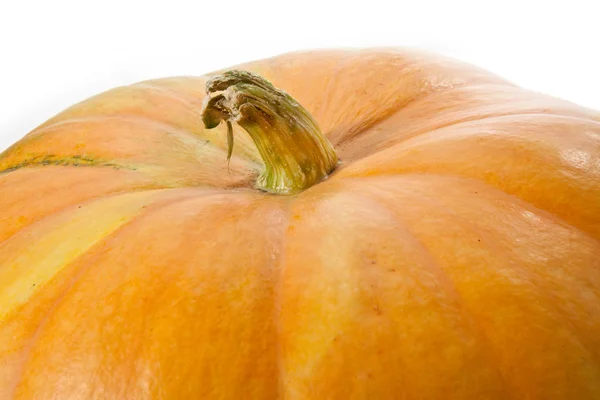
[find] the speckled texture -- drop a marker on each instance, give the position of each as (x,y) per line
(454,254)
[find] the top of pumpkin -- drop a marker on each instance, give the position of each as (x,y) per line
(295,152)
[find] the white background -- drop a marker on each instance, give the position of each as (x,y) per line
(55,53)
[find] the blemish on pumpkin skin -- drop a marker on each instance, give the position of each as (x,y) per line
(65,161)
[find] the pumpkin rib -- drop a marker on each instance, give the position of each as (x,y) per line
(470,100)
(104,196)
(522,204)
(301,216)
(202,136)
(551,297)
(556,218)
(287,209)
(466,122)
(359,131)
(166,193)
(493,117)
(480,332)
(549,141)
(540,288)
(134,154)
(78,274)
(395,320)
(500,115)
(454,124)
(95,187)
(97,257)
(491,120)
(73,206)
(416,72)
(403,141)
(30,344)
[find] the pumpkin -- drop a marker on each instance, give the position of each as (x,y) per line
(365,224)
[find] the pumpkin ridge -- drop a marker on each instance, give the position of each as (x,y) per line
(479,332)
(138,200)
(548,297)
(489,118)
(551,106)
(286,208)
(494,116)
(465,122)
(537,141)
(501,116)
(547,294)
(420,71)
(28,347)
(167,202)
(456,123)
(157,130)
(547,214)
(518,202)
(81,204)
(140,189)
(396,321)
(206,205)
(169,128)
(358,130)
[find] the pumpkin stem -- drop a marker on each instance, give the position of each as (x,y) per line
(295,152)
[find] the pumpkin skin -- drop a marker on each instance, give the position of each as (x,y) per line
(453,254)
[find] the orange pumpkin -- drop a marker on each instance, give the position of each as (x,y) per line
(453,252)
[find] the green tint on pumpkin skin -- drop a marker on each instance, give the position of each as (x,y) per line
(50,159)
